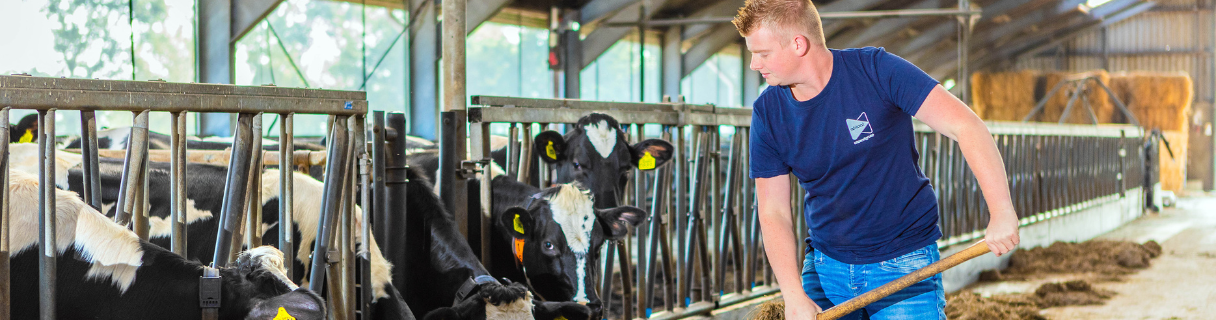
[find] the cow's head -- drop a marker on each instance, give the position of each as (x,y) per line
(558,235)
(598,155)
(25,130)
(258,283)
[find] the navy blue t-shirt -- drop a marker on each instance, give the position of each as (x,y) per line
(853,150)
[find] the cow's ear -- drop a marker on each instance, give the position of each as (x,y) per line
(550,146)
(517,222)
(300,304)
(618,220)
(651,153)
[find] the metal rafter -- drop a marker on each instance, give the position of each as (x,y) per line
(600,39)
(718,38)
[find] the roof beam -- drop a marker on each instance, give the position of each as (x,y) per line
(720,37)
(852,5)
(881,28)
(482,12)
(1035,44)
(947,27)
(1020,24)
(599,9)
(600,39)
(247,13)
(720,8)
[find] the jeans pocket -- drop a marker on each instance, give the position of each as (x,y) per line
(818,258)
(908,262)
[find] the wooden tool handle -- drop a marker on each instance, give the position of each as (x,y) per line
(833,313)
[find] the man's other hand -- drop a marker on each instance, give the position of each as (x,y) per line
(801,308)
(1002,235)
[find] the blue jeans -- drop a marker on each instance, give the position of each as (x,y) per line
(829,282)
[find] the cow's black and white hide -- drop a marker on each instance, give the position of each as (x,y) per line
(204,193)
(440,260)
(551,238)
(26,130)
(105,272)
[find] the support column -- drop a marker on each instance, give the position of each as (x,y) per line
(213,54)
(673,62)
(572,48)
(424,70)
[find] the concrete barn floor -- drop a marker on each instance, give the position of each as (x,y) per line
(1180,284)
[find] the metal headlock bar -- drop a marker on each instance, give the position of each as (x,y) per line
(703,251)
(241,209)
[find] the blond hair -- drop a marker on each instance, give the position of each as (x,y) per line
(791,16)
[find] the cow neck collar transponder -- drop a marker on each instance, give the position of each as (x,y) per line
(471,286)
(517,250)
(209,291)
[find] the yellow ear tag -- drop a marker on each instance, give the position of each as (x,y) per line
(559,317)
(647,162)
(519,225)
(27,137)
(549,151)
(283,315)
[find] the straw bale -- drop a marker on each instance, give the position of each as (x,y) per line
(1158,100)
(1007,96)
(1097,98)
(1173,170)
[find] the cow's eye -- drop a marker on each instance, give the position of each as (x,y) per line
(548,245)
(577,166)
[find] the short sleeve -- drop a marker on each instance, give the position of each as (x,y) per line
(905,85)
(764,157)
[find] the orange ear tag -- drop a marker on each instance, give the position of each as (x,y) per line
(519,250)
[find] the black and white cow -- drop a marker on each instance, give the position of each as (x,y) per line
(440,260)
(25,130)
(105,272)
(596,153)
(204,193)
(551,238)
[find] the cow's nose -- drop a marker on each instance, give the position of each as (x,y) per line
(596,308)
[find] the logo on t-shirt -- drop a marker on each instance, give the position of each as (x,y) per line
(858,127)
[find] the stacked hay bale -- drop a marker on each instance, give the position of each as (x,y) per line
(1003,96)
(1098,100)
(1161,101)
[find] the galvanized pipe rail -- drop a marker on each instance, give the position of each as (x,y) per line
(49,95)
(1046,164)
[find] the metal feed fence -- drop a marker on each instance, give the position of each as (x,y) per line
(703,251)
(240,217)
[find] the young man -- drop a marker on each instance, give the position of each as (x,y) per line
(841,121)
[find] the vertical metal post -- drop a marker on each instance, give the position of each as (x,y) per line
(287,191)
(454,35)
(331,200)
(513,150)
(46,215)
(964,47)
(451,153)
(5,268)
(88,148)
(365,229)
(395,202)
(481,152)
(253,219)
(177,202)
(137,148)
(525,154)
(232,207)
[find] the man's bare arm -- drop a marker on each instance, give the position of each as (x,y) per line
(949,116)
(780,244)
